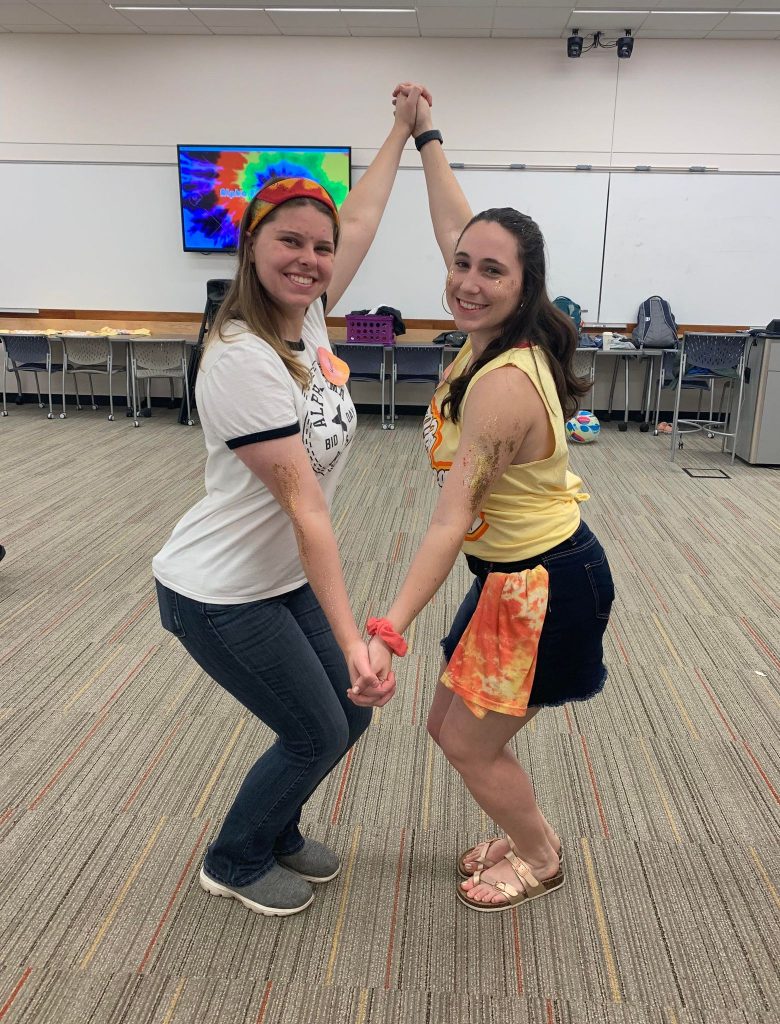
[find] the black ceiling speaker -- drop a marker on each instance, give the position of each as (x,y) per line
(574,44)
(625,45)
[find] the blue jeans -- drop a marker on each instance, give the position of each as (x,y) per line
(277,657)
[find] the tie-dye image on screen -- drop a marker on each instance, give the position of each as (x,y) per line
(217,182)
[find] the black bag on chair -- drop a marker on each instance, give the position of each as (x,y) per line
(455,339)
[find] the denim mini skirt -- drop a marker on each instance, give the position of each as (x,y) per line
(570,661)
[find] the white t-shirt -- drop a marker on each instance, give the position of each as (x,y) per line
(237,544)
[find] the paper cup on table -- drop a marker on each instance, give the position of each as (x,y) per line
(606,339)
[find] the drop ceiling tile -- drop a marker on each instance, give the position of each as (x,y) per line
(170,30)
(530,18)
(526,33)
(751,22)
(692,5)
(670,34)
(456,33)
(84,14)
(757,5)
(13,15)
(295,24)
(381,21)
(740,34)
(150,21)
(386,32)
(108,30)
(256,21)
(613,24)
(621,5)
(682,22)
(56,28)
(655,5)
(422,4)
(455,17)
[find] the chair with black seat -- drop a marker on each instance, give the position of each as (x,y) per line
(414,365)
(709,358)
(366,364)
(216,290)
(29,353)
(667,381)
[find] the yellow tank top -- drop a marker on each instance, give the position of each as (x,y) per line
(532,507)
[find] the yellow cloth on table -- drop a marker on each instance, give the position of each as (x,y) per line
(115,332)
(493,666)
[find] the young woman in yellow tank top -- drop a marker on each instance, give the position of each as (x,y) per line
(529,632)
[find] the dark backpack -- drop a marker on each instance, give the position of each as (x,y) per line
(571,309)
(655,324)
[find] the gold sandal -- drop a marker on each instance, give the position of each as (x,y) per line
(531,887)
(478,855)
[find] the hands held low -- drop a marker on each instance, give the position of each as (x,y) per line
(375,685)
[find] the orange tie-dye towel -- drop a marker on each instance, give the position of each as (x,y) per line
(493,666)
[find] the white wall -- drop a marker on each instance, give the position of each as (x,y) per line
(132,99)
(94,121)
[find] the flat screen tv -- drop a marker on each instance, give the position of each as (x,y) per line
(217,182)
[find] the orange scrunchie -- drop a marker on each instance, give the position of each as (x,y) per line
(384,630)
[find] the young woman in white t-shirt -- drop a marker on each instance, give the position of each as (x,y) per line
(250,580)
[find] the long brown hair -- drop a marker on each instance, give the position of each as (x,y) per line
(248,301)
(534,319)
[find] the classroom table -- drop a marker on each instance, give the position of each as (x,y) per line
(122,337)
(628,355)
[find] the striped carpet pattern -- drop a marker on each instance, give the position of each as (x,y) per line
(118,759)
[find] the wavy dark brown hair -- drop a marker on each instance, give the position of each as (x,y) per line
(249,302)
(535,318)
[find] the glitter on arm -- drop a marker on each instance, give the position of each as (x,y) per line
(480,463)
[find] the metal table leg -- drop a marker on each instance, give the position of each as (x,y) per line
(623,427)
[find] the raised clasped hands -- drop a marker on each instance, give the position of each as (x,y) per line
(407,94)
(412,102)
(375,686)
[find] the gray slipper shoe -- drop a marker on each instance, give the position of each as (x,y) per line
(314,862)
(278,893)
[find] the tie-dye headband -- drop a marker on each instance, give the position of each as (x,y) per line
(278,192)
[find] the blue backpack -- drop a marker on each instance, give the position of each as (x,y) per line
(655,324)
(571,309)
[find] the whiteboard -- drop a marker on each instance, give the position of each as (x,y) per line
(405,269)
(108,236)
(98,236)
(710,244)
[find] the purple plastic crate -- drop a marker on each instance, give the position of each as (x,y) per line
(370,330)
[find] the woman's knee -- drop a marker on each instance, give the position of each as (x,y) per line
(433,728)
(322,743)
(358,720)
(459,751)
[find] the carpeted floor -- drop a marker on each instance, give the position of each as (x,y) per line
(118,759)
